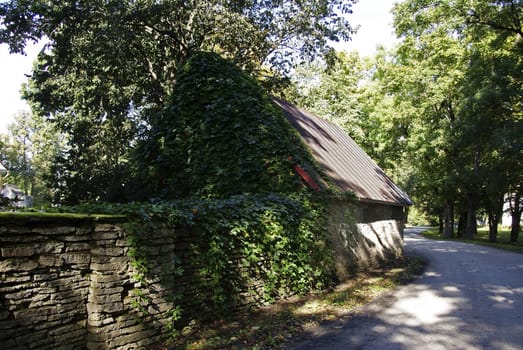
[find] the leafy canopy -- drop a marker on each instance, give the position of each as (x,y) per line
(109,67)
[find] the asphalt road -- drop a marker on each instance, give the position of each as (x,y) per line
(469,297)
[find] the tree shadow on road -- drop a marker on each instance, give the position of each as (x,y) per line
(435,312)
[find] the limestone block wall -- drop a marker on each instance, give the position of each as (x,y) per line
(79,283)
(364,234)
(71,285)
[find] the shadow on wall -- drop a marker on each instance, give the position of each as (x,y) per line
(44,286)
(358,244)
(70,284)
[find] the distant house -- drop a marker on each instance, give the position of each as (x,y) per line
(16,196)
(379,212)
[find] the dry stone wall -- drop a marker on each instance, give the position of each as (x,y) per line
(83,283)
(72,285)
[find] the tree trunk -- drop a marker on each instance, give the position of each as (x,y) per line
(471,228)
(495,212)
(448,230)
(462,223)
(514,230)
(516,210)
(493,222)
(440,224)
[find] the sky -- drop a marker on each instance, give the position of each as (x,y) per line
(373,17)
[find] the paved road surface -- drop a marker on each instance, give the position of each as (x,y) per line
(470,297)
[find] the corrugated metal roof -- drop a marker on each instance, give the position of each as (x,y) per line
(342,159)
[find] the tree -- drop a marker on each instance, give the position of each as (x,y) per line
(478,94)
(427,74)
(27,150)
(109,67)
(494,87)
(334,89)
(351,92)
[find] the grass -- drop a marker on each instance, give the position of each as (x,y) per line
(274,326)
(35,215)
(503,239)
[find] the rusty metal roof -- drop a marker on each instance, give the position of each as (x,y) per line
(343,160)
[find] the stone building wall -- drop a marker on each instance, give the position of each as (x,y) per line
(364,234)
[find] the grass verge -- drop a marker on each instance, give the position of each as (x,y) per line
(274,326)
(482,238)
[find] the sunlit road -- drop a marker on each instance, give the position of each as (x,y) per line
(470,297)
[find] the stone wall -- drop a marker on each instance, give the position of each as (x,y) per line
(364,234)
(84,283)
(71,285)
(80,283)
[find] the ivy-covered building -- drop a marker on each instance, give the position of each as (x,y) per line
(374,231)
(222,135)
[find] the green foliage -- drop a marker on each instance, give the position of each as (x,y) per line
(27,150)
(482,238)
(108,68)
(464,60)
(336,91)
(441,113)
(272,328)
(221,135)
(239,243)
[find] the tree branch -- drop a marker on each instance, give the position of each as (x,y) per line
(516,29)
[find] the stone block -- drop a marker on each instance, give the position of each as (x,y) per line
(70,336)
(105,235)
(116,266)
(16,229)
(122,243)
(84,230)
(107,290)
(45,277)
(50,248)
(73,238)
(107,251)
(110,279)
(18,278)
(54,230)
(106,227)
(104,308)
(104,299)
(18,252)
(50,260)
(76,247)
(23,294)
(77,258)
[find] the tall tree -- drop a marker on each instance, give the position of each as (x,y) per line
(109,67)
(27,150)
(333,89)
(494,87)
(426,78)
(481,103)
